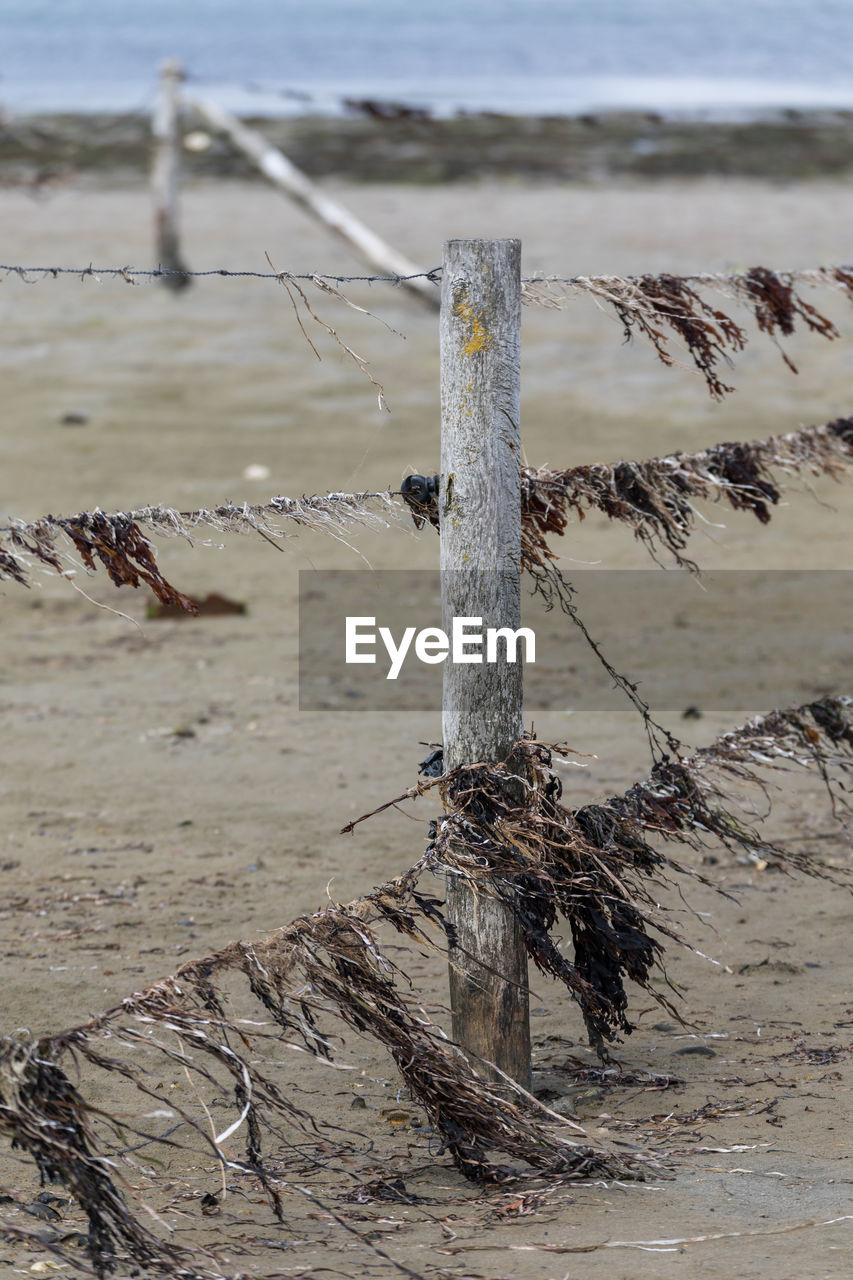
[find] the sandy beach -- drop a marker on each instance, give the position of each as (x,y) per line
(162,794)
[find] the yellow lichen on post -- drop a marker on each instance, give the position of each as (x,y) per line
(479,338)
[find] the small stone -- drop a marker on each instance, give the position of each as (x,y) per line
(43,1211)
(257,471)
(585,1099)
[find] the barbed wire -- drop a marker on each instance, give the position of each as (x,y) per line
(589,283)
(129,274)
(337,508)
(806,275)
(661,308)
(652,496)
(116,540)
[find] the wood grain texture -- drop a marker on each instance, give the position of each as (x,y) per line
(480,513)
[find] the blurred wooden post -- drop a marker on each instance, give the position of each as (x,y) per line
(165,175)
(298,186)
(480,512)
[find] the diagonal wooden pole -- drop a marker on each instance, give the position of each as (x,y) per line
(480,514)
(283,174)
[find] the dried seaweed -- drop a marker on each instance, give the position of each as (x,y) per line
(329,962)
(594,867)
(708,333)
(128,557)
(656,497)
(116,540)
(776,306)
(43,1114)
(652,305)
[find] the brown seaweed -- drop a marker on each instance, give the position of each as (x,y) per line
(776,306)
(666,306)
(117,542)
(656,497)
(708,333)
(590,865)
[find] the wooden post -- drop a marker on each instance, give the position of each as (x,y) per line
(480,513)
(165,175)
(370,247)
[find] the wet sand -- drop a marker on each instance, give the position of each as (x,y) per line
(162,795)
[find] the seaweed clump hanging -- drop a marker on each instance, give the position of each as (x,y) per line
(656,497)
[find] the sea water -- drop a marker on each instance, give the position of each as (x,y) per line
(721,57)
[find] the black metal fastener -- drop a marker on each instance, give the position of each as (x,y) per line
(421,495)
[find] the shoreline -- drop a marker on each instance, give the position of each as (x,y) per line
(638,145)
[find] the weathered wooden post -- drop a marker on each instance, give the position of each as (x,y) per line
(480,513)
(165,175)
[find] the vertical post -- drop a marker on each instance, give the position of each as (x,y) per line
(165,175)
(480,512)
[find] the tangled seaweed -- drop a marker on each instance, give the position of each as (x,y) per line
(589,865)
(593,867)
(116,540)
(329,962)
(656,497)
(653,304)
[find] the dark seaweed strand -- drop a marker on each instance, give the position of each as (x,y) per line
(656,497)
(44,1115)
(550,585)
(114,541)
(659,306)
(592,866)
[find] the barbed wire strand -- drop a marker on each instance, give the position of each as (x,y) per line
(129,274)
(337,508)
(739,470)
(808,275)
